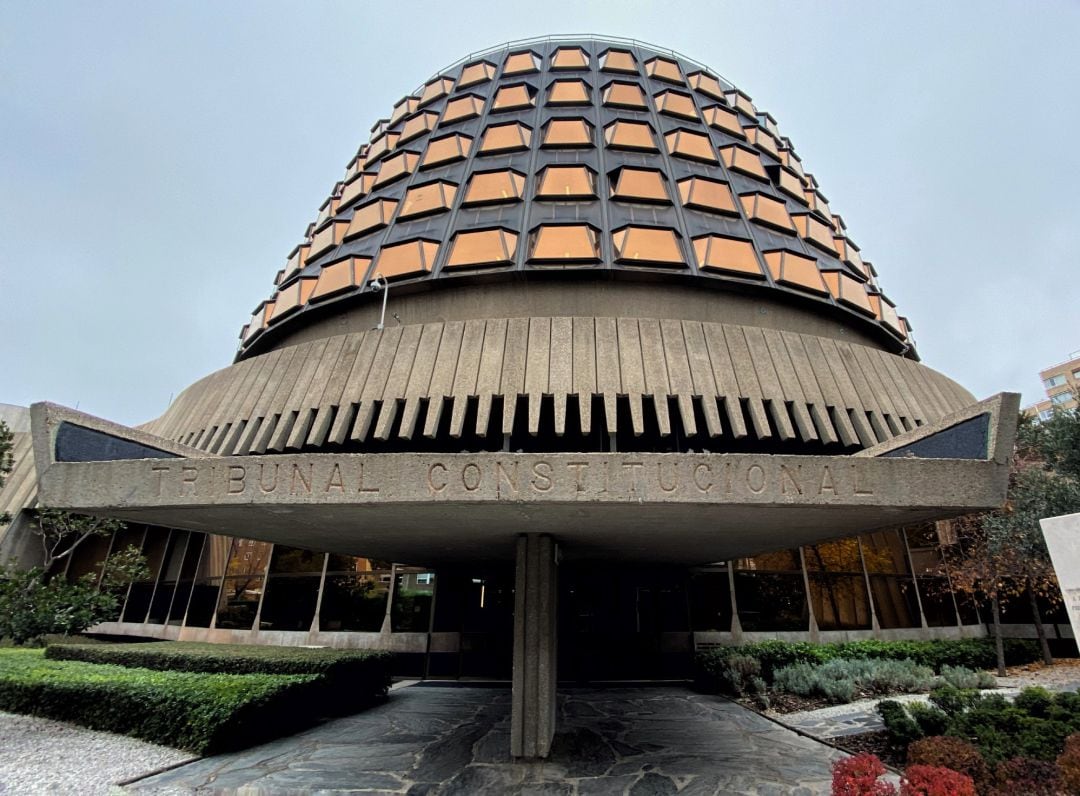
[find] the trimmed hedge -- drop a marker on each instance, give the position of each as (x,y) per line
(352,678)
(202,713)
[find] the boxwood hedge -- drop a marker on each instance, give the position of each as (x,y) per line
(202,713)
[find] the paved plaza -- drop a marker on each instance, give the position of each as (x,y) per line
(456,740)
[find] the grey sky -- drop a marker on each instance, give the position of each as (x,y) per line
(159,161)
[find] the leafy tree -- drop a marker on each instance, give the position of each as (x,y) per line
(7,442)
(61,533)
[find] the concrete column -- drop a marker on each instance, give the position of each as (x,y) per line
(532,716)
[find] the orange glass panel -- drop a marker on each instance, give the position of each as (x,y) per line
(568,132)
(675,103)
(746,161)
(521,63)
(639,185)
(625,95)
(576,242)
(686,144)
(724,119)
(567,183)
(460,108)
(340,276)
(404,107)
(513,98)
(647,245)
(380,146)
(439,87)
(327,209)
(508,137)
(417,125)
(848,291)
(258,320)
(716,253)
(795,270)
(618,61)
(406,259)
(623,134)
(292,298)
(791,160)
(446,150)
(701,193)
(789,183)
(483,247)
(568,92)
(358,186)
(664,69)
(570,58)
(815,231)
(763,140)
(493,187)
(474,73)
(297,260)
(849,253)
(372,216)
(767,121)
(707,85)
(767,210)
(355,164)
(737,99)
(396,167)
(327,238)
(435,197)
(817,202)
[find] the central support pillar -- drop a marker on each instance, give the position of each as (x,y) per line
(532,716)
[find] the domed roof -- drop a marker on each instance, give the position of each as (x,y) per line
(583,158)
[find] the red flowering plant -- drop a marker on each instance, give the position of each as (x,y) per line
(860,776)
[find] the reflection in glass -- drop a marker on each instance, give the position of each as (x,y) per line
(411,609)
(710,600)
(770,593)
(929,567)
(891,584)
(242,587)
(354,594)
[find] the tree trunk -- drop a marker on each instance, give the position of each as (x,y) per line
(1039,629)
(998,643)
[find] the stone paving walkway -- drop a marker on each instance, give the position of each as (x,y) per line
(455,740)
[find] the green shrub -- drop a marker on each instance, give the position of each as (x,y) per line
(952,753)
(203,713)
(841,680)
(931,720)
(953,700)
(1035,701)
(902,728)
(963,678)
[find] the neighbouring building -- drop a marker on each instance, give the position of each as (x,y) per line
(1062,385)
(579,339)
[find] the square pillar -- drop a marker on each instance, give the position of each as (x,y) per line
(532,715)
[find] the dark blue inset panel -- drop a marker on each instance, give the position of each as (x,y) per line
(80,444)
(969,439)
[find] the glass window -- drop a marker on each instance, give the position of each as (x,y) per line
(514,97)
(461,108)
(492,187)
(482,247)
(891,583)
(1061,398)
(410,258)
(568,92)
(927,562)
(520,63)
(396,167)
(327,238)
(411,608)
(744,161)
(710,601)
(848,290)
(564,242)
(292,298)
(476,72)
(659,246)
(815,232)
(638,185)
(242,588)
(567,183)
(837,585)
(418,125)
(435,197)
(726,120)
(1054,381)
(706,84)
(620,94)
(357,187)
(1046,414)
(354,595)
(340,277)
(437,88)
(763,140)
(767,210)
(446,150)
(570,58)
(795,270)
(623,134)
(712,196)
(567,133)
(509,137)
(404,107)
(175,557)
(675,103)
(292,589)
(770,594)
(730,255)
(1076,374)
(204,593)
(372,216)
(664,69)
(618,61)
(741,101)
(687,144)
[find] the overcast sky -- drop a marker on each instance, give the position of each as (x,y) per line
(158,161)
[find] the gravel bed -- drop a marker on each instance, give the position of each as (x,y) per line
(44,756)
